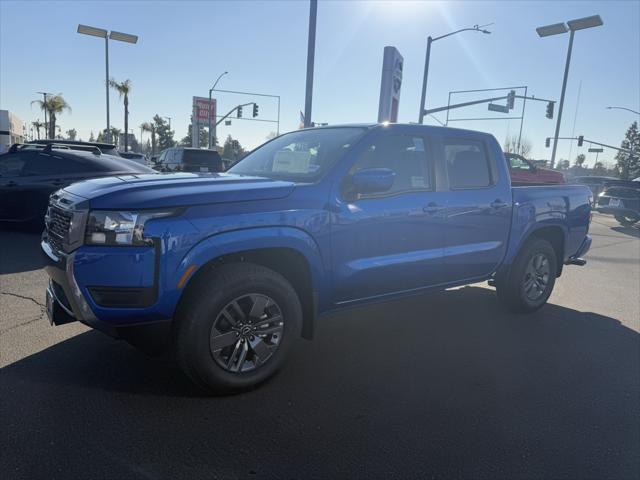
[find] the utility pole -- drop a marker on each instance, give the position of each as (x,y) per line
(311,51)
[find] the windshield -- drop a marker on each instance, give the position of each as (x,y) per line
(302,156)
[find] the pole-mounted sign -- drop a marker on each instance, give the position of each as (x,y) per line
(390,85)
(203,112)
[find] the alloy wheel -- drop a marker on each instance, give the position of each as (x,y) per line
(536,277)
(246,333)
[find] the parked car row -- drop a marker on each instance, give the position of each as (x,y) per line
(31,172)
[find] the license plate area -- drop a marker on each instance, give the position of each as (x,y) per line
(615,202)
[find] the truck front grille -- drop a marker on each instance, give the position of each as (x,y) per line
(58,222)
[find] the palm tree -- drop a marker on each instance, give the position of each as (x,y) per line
(115,136)
(38,125)
(123,89)
(150,127)
(72,134)
(54,105)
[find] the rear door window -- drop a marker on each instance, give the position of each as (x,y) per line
(12,165)
(467,164)
(201,160)
(52,164)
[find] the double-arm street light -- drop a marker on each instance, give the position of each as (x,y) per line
(102,33)
(623,108)
(556,29)
(211,90)
(430,40)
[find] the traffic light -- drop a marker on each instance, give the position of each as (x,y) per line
(547,142)
(550,106)
(255,110)
(240,111)
(511,99)
(580,140)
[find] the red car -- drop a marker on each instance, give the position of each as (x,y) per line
(524,172)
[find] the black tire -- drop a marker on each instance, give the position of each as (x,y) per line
(201,308)
(519,290)
(626,221)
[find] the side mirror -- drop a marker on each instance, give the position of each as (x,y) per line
(372,180)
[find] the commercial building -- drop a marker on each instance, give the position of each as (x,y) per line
(11,130)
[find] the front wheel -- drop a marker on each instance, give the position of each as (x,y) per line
(236,326)
(531,278)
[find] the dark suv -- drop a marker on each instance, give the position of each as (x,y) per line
(196,160)
(621,198)
(29,173)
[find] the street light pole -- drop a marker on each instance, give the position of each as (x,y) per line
(113,35)
(430,40)
(564,88)
(558,28)
(211,90)
(424,79)
(311,52)
(623,108)
(106,60)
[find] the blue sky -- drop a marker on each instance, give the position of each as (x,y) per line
(184,46)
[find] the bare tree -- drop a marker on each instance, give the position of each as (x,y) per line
(511,145)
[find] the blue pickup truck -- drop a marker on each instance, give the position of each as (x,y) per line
(230,269)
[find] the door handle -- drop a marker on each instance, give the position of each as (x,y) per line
(10,183)
(432,207)
(498,204)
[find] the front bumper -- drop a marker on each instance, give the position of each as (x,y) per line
(109,289)
(68,303)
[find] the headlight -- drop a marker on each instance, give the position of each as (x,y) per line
(119,228)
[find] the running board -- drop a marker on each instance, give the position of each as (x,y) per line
(576,261)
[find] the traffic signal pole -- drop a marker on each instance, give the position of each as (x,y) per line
(592,142)
(231,111)
(485,100)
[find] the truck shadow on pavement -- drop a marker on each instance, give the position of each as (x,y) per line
(633,230)
(446,385)
(19,251)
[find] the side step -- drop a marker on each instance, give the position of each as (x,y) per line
(581,262)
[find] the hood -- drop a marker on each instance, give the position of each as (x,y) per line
(147,191)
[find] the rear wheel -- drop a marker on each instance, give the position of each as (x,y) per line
(626,221)
(531,278)
(236,326)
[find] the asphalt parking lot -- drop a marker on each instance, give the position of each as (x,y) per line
(448,385)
